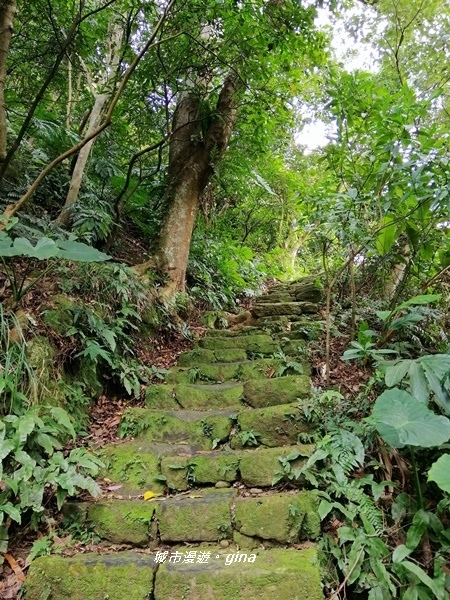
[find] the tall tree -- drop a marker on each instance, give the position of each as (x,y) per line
(249,60)
(7,10)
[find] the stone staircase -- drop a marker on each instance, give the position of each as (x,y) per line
(214,436)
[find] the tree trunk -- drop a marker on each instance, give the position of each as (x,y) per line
(190,171)
(7,10)
(95,118)
(82,158)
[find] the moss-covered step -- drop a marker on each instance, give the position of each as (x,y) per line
(246,330)
(135,465)
(204,516)
(260,467)
(202,356)
(284,518)
(262,343)
(283,308)
(196,428)
(194,573)
(118,576)
(182,471)
(231,575)
(193,396)
(272,426)
(278,390)
(220,372)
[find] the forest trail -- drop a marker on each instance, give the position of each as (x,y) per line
(216,434)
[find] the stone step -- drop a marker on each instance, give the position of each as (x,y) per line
(221,372)
(246,330)
(255,392)
(141,466)
(254,344)
(283,308)
(203,515)
(279,425)
(194,573)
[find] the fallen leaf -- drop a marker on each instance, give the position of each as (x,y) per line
(149,495)
(113,488)
(15,567)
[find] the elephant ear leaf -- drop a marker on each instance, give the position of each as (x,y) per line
(402,420)
(440,473)
(80,252)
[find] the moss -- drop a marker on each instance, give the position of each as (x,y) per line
(278,573)
(122,521)
(204,517)
(89,375)
(258,467)
(244,542)
(160,397)
(221,372)
(190,427)
(228,356)
(215,318)
(59,313)
(175,470)
(279,390)
(122,576)
(242,342)
(276,425)
(134,466)
(196,357)
(278,517)
(218,466)
(292,347)
(206,397)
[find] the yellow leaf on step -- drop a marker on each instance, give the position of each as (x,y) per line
(149,495)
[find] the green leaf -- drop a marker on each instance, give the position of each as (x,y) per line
(418,383)
(421,300)
(62,417)
(386,238)
(79,252)
(440,472)
(440,394)
(438,363)
(45,248)
(395,373)
(401,420)
(419,525)
(12,511)
(324,509)
(424,578)
(6,446)
(400,553)
(26,425)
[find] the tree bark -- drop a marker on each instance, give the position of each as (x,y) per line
(7,10)
(190,170)
(95,118)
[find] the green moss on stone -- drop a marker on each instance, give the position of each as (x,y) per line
(191,427)
(196,357)
(175,470)
(278,390)
(277,573)
(278,517)
(221,372)
(206,517)
(160,397)
(276,425)
(122,521)
(119,576)
(242,342)
(258,467)
(134,466)
(204,397)
(230,355)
